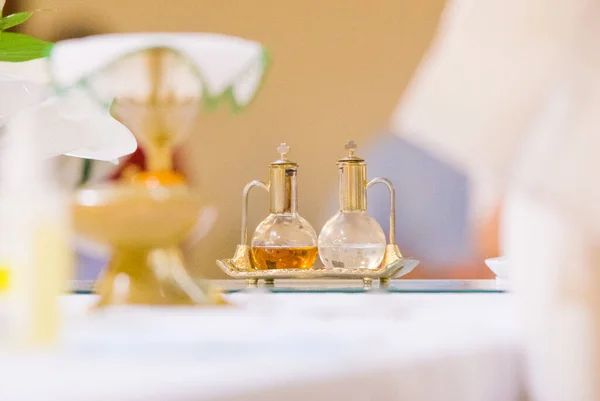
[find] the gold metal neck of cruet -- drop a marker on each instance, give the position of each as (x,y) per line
(282,183)
(353,181)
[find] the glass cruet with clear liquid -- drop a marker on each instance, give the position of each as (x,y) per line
(283,240)
(352,239)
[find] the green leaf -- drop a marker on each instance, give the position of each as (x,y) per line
(16,47)
(86,171)
(14,19)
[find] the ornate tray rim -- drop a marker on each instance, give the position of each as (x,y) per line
(397,269)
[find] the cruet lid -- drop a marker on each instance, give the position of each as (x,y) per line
(283,161)
(351,157)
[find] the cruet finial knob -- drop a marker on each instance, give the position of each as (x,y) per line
(283,150)
(351,147)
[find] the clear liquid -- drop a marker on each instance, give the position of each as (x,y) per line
(352,256)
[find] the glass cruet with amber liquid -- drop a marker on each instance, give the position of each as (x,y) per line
(283,240)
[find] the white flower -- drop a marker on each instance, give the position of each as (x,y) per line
(74,125)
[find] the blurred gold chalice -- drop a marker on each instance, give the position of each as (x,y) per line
(146,217)
(155,84)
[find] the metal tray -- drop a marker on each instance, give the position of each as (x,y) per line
(393,266)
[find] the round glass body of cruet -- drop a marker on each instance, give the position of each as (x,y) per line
(352,239)
(284,239)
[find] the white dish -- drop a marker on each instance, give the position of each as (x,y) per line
(499,266)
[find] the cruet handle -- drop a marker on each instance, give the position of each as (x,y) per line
(390,187)
(247,189)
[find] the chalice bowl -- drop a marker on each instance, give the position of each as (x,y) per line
(155,84)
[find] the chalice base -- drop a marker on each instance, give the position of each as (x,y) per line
(152,276)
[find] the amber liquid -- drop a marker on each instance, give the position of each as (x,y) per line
(275,257)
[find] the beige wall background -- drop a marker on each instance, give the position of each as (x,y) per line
(339,68)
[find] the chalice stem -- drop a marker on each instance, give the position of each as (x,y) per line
(159,158)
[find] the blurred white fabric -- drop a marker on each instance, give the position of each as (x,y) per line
(409,347)
(201,65)
(509,91)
